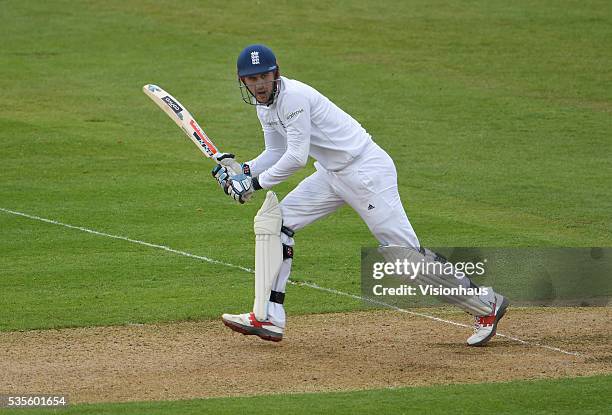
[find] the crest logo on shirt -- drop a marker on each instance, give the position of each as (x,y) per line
(255,58)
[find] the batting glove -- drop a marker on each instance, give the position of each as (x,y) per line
(222,175)
(228,160)
(241,187)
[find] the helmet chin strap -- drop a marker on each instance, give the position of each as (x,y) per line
(274,89)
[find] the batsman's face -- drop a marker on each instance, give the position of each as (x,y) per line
(260,85)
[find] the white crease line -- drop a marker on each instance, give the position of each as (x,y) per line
(307,284)
(441,320)
(123,238)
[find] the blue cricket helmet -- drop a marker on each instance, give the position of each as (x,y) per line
(256,59)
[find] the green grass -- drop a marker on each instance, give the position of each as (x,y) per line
(497,114)
(590,395)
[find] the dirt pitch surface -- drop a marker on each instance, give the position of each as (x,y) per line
(327,352)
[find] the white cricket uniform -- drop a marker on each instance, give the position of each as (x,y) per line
(351,168)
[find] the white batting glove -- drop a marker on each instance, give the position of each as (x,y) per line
(228,161)
(222,175)
(241,187)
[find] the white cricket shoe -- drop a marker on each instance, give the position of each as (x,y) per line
(247,324)
(486,326)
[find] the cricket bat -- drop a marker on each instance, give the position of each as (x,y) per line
(179,114)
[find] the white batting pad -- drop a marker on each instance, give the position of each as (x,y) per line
(268,252)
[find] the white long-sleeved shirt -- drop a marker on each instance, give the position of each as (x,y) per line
(302,122)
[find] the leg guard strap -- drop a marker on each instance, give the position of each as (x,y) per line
(277,297)
(287,231)
(287,251)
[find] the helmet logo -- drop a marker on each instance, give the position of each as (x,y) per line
(255,58)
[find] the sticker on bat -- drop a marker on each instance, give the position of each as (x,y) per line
(172,104)
(202,139)
(203,144)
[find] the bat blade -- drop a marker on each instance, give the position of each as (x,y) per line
(182,117)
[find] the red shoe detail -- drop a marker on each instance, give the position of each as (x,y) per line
(257,323)
(487,320)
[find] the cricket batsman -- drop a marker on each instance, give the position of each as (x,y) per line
(298,122)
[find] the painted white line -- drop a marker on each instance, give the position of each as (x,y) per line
(434,318)
(123,238)
(306,284)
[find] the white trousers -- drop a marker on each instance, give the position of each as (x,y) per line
(368,185)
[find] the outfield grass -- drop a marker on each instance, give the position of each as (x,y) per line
(563,396)
(497,114)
